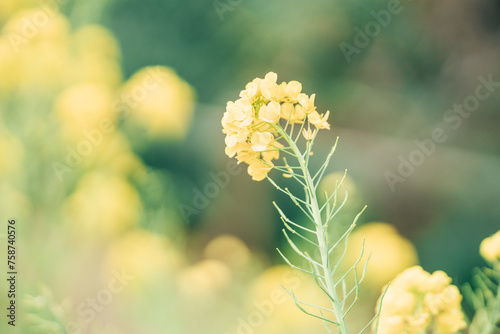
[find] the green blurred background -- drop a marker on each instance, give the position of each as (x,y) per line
(160,73)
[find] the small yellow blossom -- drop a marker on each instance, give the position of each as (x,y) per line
(258,169)
(261,141)
(292,113)
(307,102)
(293,90)
(319,121)
(418,301)
(490,248)
(270,113)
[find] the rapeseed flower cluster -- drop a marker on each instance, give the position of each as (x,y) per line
(417,301)
(252,122)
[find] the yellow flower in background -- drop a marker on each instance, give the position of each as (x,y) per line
(102,206)
(490,248)
(96,56)
(36,25)
(418,301)
(160,101)
(112,152)
(228,249)
(204,278)
(254,119)
(390,252)
(8,66)
(96,41)
(331,181)
(38,41)
(9,7)
(143,255)
(273,309)
(84,107)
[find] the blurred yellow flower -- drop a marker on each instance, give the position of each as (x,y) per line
(96,41)
(144,255)
(9,7)
(8,66)
(390,253)
(38,40)
(490,248)
(96,56)
(36,25)
(228,249)
(417,301)
(37,49)
(204,278)
(331,181)
(113,153)
(102,206)
(272,310)
(160,101)
(84,107)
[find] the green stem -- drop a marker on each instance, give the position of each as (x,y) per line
(321,235)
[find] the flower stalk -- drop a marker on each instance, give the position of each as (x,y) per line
(321,230)
(270,119)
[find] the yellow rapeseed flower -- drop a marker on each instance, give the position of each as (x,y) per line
(250,122)
(418,301)
(490,248)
